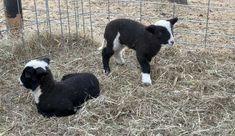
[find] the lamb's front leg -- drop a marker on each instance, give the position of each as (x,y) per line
(145,69)
(107,53)
(64,107)
(57,107)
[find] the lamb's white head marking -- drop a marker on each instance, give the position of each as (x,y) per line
(37,64)
(168,24)
(32,73)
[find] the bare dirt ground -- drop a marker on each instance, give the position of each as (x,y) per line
(192,91)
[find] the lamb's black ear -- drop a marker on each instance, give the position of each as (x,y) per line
(47,60)
(41,71)
(173,20)
(151,28)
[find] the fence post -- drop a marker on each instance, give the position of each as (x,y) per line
(109,10)
(141,5)
(207,22)
(185,2)
(14,17)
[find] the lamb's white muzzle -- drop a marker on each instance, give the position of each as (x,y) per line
(20,82)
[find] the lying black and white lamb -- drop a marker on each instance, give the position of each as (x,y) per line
(58,98)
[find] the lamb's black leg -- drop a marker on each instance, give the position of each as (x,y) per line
(64,113)
(107,53)
(145,69)
(64,108)
(46,114)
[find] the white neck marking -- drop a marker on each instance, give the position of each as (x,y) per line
(36,94)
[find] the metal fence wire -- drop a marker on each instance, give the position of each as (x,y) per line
(202,23)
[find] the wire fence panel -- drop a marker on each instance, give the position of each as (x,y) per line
(202,23)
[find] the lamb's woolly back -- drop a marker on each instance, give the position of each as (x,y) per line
(37,64)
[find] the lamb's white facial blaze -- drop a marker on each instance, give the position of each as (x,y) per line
(167,25)
(146,78)
(36,94)
(37,64)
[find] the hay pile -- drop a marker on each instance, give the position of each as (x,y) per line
(192,92)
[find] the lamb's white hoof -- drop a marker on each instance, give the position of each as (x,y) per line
(106,72)
(100,48)
(146,84)
(146,80)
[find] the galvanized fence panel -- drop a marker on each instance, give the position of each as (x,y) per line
(207,23)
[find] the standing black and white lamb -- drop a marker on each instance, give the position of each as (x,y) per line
(58,98)
(145,40)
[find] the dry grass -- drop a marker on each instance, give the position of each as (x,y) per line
(192,92)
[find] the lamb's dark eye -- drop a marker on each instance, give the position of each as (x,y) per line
(27,76)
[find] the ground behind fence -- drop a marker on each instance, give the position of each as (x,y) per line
(208,23)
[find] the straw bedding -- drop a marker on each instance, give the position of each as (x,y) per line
(192,91)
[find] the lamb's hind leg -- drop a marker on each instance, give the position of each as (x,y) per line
(68,76)
(118,50)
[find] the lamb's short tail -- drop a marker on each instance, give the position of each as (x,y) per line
(102,46)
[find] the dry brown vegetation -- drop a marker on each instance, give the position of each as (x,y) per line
(192,92)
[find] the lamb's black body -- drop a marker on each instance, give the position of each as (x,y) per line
(64,97)
(134,35)
(145,40)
